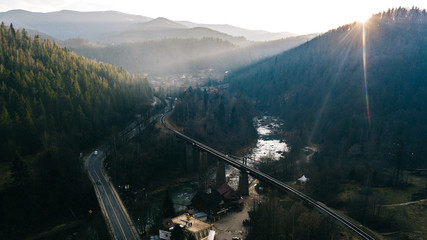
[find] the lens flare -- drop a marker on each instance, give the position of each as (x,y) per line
(364,73)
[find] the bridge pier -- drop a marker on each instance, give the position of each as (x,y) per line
(220,172)
(203,171)
(243,183)
(203,161)
(189,157)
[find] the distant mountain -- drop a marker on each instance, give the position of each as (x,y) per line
(42,35)
(72,24)
(252,35)
(166,56)
(162,28)
(319,88)
(115,27)
(157,24)
(144,45)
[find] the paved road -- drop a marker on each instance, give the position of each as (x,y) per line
(121,228)
(117,217)
(268,179)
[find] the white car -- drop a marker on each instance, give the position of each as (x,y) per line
(95,153)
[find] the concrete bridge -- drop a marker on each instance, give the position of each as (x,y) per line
(195,155)
(223,159)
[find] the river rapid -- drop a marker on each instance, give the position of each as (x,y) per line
(270,144)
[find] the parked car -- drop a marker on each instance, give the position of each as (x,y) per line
(246,222)
(95,153)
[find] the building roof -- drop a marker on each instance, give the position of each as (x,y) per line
(200,215)
(227,192)
(222,188)
(302,179)
(191,224)
(210,201)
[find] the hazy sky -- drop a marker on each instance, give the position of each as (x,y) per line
(297,16)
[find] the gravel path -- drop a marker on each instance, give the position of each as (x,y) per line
(231,224)
(405,203)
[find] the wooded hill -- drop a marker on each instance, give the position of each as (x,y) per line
(319,89)
(49,95)
(53,105)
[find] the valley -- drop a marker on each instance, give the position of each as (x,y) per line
(121,126)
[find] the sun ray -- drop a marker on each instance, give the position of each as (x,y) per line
(346,39)
(364,73)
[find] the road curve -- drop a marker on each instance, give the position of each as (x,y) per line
(271,180)
(111,205)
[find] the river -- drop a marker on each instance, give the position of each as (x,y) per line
(270,144)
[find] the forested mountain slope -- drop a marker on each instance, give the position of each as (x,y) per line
(54,104)
(155,57)
(48,91)
(181,55)
(319,89)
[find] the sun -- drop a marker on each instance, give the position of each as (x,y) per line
(362,16)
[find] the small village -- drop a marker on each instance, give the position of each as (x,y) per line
(204,211)
(220,213)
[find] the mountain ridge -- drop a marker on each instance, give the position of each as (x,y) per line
(161,22)
(165,29)
(66,24)
(252,35)
(51,23)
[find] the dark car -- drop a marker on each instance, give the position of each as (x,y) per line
(246,222)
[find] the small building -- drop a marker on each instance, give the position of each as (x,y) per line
(231,197)
(198,229)
(202,216)
(302,180)
(210,203)
(221,199)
